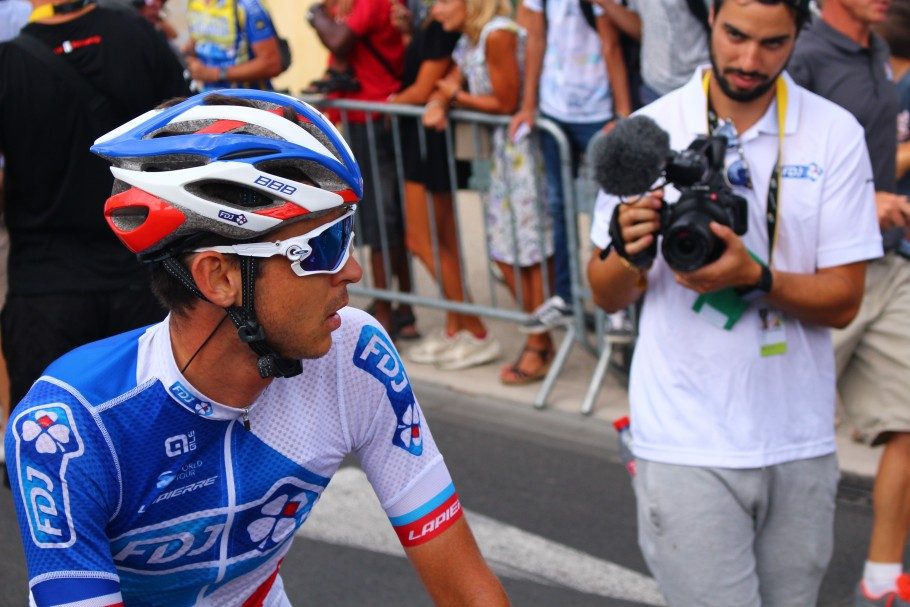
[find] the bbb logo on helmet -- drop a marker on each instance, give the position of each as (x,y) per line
(238,218)
(274,184)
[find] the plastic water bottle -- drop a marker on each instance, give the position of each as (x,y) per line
(624,428)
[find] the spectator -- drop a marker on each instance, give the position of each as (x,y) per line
(566,63)
(249,427)
(673,39)
(366,40)
(13,15)
(841,59)
(896,32)
(464,341)
(489,57)
(732,382)
(232,44)
(70,282)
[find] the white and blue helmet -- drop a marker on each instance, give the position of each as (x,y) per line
(229,170)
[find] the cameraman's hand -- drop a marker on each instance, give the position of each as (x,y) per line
(734,268)
(639,220)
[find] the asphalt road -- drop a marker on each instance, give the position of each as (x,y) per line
(550,505)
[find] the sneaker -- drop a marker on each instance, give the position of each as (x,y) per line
(896,598)
(431,350)
(469,351)
(554,312)
(619,329)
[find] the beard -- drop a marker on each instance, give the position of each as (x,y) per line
(738,94)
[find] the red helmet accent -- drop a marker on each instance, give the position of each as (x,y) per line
(286,211)
(221,126)
(162,219)
(348,195)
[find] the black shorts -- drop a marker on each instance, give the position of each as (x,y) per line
(433,170)
(381,202)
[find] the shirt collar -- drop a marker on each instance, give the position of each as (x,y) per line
(695,106)
(845,44)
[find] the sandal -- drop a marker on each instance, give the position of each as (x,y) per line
(519,377)
(403,325)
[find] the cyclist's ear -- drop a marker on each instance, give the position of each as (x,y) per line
(218,277)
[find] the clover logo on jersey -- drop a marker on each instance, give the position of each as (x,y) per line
(409,429)
(46,439)
(376,355)
(281,516)
(49,436)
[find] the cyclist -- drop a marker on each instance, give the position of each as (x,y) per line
(172,464)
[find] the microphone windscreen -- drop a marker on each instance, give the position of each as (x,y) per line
(630,158)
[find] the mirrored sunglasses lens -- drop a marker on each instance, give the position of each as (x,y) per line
(329,247)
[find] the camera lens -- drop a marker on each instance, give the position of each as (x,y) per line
(689,245)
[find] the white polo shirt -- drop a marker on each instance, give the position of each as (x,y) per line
(704,396)
(573,82)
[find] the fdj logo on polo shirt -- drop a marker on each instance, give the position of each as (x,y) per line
(46,440)
(376,355)
(809,171)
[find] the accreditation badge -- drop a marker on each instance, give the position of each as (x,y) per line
(773,332)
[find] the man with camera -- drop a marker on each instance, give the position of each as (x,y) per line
(732,383)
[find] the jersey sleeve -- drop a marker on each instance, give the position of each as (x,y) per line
(257,22)
(65,488)
(394,445)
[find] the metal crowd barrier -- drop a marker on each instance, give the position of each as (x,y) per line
(388,116)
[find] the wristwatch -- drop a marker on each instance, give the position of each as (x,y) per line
(311,14)
(759,289)
(222,73)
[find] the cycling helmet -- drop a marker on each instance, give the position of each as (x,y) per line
(229,170)
(211,167)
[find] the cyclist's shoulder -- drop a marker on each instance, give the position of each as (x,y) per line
(102,370)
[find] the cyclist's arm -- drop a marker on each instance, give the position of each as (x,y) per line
(265,64)
(453,570)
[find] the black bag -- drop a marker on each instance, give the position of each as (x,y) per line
(285,49)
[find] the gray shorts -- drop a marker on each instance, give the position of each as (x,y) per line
(873,353)
(720,537)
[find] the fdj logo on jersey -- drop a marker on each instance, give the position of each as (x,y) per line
(186,397)
(46,440)
(376,355)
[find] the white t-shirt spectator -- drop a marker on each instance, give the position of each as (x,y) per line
(573,84)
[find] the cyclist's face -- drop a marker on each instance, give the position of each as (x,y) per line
(299,314)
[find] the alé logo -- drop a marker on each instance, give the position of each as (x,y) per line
(47,440)
(376,355)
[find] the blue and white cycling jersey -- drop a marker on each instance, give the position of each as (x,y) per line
(131,487)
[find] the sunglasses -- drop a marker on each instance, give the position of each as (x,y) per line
(737,172)
(324,250)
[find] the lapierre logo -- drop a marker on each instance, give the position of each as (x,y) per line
(186,397)
(47,441)
(436,523)
(238,218)
(207,482)
(274,184)
(377,356)
(180,444)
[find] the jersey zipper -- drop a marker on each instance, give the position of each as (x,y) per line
(245,417)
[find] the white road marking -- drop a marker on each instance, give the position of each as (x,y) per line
(351,516)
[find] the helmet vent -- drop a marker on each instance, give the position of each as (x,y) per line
(230,194)
(128,219)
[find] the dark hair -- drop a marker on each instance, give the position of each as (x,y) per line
(172,293)
(800,9)
(895,29)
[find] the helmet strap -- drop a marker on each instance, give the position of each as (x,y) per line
(269,362)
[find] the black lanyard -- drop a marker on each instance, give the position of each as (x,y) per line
(771,210)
